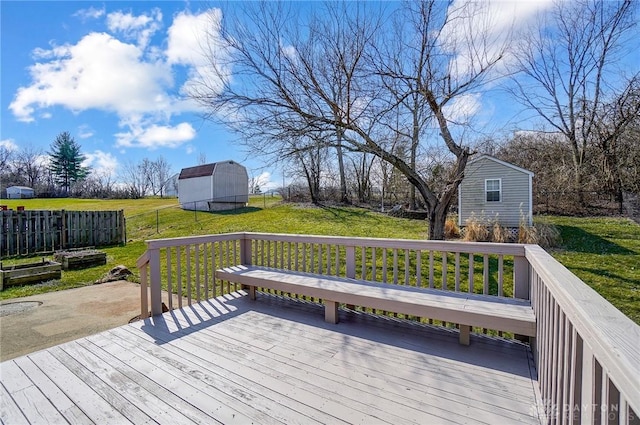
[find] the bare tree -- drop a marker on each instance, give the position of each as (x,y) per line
(568,69)
(613,119)
(29,164)
(160,173)
(283,89)
(136,178)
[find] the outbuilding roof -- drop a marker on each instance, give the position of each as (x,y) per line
(197,171)
(200,170)
(506,164)
(20,187)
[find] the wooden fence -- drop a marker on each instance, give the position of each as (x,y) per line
(37,231)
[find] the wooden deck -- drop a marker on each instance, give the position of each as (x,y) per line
(230,360)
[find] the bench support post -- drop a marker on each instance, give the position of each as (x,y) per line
(252,292)
(330,311)
(465,332)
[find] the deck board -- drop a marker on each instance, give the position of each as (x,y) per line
(271,361)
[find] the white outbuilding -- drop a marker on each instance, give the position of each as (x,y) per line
(495,189)
(20,192)
(217,186)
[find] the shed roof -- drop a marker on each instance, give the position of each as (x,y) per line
(506,164)
(197,171)
(20,187)
(200,170)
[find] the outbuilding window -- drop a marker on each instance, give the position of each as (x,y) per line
(493,190)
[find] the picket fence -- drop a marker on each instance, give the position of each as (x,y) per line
(39,231)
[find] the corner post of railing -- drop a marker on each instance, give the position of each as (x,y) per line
(245,250)
(156,281)
(351,261)
(521,278)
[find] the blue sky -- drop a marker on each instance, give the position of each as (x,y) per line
(111,73)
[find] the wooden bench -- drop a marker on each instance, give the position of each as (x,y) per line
(467,310)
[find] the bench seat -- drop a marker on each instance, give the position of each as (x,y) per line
(467,310)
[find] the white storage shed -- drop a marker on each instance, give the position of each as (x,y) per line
(20,192)
(492,189)
(217,186)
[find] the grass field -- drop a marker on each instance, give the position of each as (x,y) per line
(603,252)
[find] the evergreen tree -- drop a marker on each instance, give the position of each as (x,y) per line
(66,161)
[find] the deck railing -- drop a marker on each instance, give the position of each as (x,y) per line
(586,351)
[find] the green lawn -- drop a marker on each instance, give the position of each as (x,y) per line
(603,252)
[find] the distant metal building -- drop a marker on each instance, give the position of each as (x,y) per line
(492,189)
(20,192)
(218,186)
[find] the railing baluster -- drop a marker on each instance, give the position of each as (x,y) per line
(444,270)
(384,265)
(395,266)
(471,270)
(213,268)
(374,276)
(364,263)
(205,263)
(418,268)
(500,275)
(457,272)
(188,266)
(169,282)
(311,258)
(407,266)
(304,257)
(179,274)
(431,271)
(485,274)
(197,280)
(337,267)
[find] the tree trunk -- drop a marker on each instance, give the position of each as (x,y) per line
(344,197)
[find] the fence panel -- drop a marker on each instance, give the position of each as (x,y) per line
(40,231)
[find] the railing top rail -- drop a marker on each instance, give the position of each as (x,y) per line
(613,337)
(414,244)
(190,240)
(142,260)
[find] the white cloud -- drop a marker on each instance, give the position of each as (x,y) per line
(139,28)
(101,163)
(154,136)
(9,145)
(120,72)
(195,41)
(99,72)
(85,131)
(462,108)
(90,13)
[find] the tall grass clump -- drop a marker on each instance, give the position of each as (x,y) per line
(544,234)
(499,233)
(475,229)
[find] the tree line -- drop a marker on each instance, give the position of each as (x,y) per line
(61,172)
